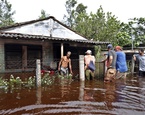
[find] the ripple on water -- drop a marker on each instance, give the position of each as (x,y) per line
(90,97)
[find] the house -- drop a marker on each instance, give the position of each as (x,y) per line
(45,39)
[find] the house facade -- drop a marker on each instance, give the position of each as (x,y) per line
(45,39)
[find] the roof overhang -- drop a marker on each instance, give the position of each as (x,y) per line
(4,35)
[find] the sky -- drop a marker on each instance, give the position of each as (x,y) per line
(27,10)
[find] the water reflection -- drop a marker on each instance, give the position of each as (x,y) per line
(86,94)
(65,86)
(68,96)
(38,95)
(89,95)
(81,92)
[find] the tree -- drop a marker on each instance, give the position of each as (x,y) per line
(123,36)
(137,30)
(72,12)
(43,14)
(68,19)
(100,26)
(6,13)
(80,8)
(116,33)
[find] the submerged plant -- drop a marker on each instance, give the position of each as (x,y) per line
(30,82)
(47,79)
(3,82)
(65,76)
(17,82)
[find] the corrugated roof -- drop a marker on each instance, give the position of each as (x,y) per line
(39,37)
(48,29)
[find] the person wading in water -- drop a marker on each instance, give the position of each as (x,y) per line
(89,60)
(65,66)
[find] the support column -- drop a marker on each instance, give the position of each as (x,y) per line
(62,49)
(81,67)
(132,66)
(24,57)
(38,73)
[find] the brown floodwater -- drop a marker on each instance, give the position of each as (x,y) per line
(69,96)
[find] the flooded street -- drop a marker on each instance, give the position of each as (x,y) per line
(68,96)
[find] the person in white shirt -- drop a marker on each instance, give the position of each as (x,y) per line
(89,60)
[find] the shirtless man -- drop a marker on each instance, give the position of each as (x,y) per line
(64,63)
(88,58)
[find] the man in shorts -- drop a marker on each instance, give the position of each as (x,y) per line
(65,64)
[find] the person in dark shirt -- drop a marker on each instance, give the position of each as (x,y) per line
(110,74)
(111,57)
(141,59)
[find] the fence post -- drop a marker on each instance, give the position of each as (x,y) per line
(132,66)
(38,73)
(81,68)
(104,68)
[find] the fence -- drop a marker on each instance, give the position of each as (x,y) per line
(16,66)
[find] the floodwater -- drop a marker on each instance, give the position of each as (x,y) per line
(69,96)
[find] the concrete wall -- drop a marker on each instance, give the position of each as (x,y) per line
(47,52)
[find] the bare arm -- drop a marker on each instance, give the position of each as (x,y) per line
(86,65)
(134,57)
(106,57)
(110,60)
